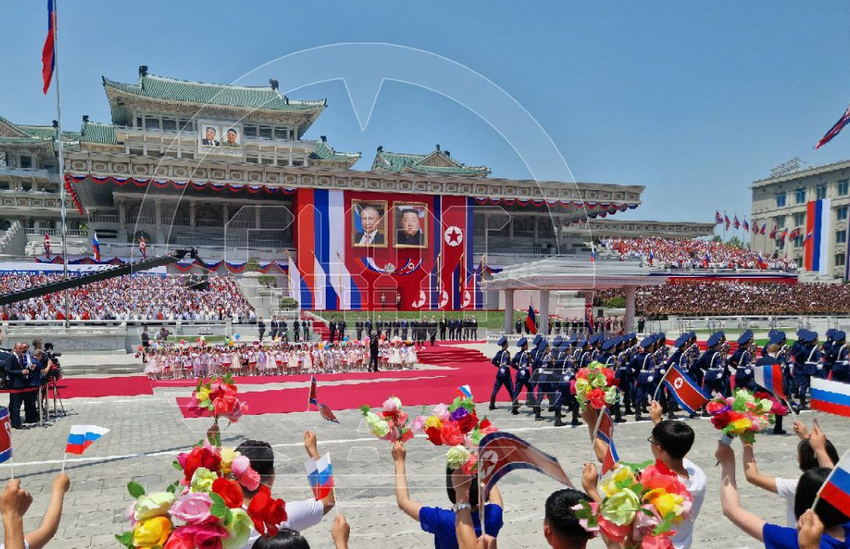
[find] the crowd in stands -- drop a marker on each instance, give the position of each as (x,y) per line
(690,254)
(736,298)
(131,297)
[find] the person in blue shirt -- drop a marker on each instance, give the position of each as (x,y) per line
(836,533)
(441,522)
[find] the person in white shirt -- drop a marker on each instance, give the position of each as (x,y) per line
(300,515)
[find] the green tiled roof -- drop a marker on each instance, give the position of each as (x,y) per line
(21,140)
(95,132)
(158,87)
(323,151)
(413,163)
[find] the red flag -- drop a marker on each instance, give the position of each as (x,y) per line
(47,245)
(143,248)
(500,453)
(313,398)
(5,435)
(48,53)
(606,435)
(773,232)
(685,390)
(531,321)
(737,223)
(327,413)
(726,218)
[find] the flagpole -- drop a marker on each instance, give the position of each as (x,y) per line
(61,157)
(660,383)
(481,503)
(64,458)
(12,467)
(596,433)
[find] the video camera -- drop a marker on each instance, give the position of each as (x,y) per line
(55,371)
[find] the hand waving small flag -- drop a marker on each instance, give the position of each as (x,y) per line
(500,453)
(5,435)
(836,489)
(770,377)
(320,474)
(83,436)
(465,391)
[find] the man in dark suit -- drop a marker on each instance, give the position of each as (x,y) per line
(332,328)
(273,325)
(367,326)
(410,233)
(373,352)
(210,140)
(358,328)
(261,328)
(305,329)
(340,327)
(404,329)
(18,374)
(370,220)
(443,326)
(283,329)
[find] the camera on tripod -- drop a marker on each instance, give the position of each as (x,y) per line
(55,371)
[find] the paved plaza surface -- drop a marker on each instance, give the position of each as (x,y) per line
(147,432)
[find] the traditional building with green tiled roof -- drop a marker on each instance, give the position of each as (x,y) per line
(438,162)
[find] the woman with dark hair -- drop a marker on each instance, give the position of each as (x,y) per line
(812,451)
(835,533)
(441,522)
(290,539)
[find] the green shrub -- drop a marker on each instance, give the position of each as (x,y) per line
(288,303)
(616,302)
(267,280)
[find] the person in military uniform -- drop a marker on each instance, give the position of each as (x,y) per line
(358,328)
(565,390)
(713,365)
(273,327)
(742,361)
(502,362)
(541,379)
(609,357)
(643,367)
(522,364)
(807,357)
(840,367)
(771,355)
(662,363)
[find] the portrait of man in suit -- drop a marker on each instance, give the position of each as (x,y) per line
(210,137)
(370,223)
(409,223)
(231,138)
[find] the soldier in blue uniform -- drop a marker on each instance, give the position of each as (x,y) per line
(840,367)
(565,396)
(643,371)
(742,361)
(502,361)
(522,363)
(806,359)
(609,357)
(771,355)
(713,362)
(547,383)
(539,379)
(625,383)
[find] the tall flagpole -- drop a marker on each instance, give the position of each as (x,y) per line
(61,155)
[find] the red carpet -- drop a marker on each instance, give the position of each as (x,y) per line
(92,387)
(437,386)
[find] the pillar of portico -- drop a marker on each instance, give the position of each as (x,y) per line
(630,308)
(536,230)
(160,234)
(588,309)
(122,218)
(509,311)
(544,311)
(256,217)
(192,214)
(225,214)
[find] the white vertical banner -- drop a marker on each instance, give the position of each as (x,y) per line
(319,285)
(340,279)
(294,279)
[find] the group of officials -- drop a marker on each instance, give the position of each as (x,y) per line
(547,371)
(25,370)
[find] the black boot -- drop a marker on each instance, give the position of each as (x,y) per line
(559,418)
(537,416)
(629,411)
(575,422)
(803,405)
(492,403)
(515,408)
(618,415)
(777,427)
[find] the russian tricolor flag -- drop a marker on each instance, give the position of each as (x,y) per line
(816,249)
(832,397)
(465,391)
(770,377)
(836,489)
(48,53)
(83,436)
(320,474)
(531,321)
(687,393)
(95,245)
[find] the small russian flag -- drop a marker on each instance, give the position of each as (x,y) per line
(465,391)
(770,377)
(832,397)
(83,436)
(320,475)
(836,489)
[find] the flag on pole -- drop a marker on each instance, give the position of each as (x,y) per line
(320,475)
(143,247)
(48,52)
(465,391)
(313,397)
(770,377)
(795,233)
(5,435)
(728,222)
(832,397)
(531,321)
(834,130)
(746,225)
(47,245)
(718,219)
(320,285)
(95,245)
(784,233)
(593,255)
(83,436)
(763,228)
(685,390)
(500,453)
(736,223)
(606,435)
(836,489)
(326,413)
(651,256)
(294,275)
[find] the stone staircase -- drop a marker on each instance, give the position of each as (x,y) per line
(14,240)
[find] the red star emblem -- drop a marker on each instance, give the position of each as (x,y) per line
(454,236)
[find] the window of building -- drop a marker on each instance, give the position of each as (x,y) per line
(798,242)
(841,213)
(25,161)
(840,237)
(138,121)
(151,123)
(265,132)
(799,219)
(820,192)
(169,124)
(780,244)
(780,221)
(800,196)
(249,131)
(187,125)
(843,187)
(268,160)
(780,200)
(840,259)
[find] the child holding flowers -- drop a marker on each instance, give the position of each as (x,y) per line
(441,522)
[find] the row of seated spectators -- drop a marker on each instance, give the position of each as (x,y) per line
(690,254)
(736,298)
(131,297)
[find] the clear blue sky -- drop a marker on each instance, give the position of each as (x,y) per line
(694,100)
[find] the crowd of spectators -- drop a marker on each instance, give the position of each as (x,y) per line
(691,254)
(737,298)
(131,297)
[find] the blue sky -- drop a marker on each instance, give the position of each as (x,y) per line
(694,100)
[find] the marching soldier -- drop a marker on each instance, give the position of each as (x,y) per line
(609,357)
(713,364)
(643,368)
(545,363)
(564,389)
(502,361)
(771,355)
(841,367)
(742,360)
(829,351)
(522,363)
(806,355)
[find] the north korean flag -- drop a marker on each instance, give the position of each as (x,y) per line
(500,453)
(690,396)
